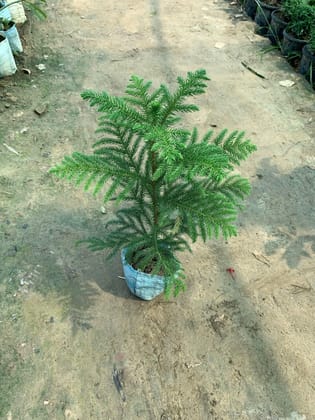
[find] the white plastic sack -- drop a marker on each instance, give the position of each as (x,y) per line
(7,62)
(14,39)
(5,13)
(145,286)
(17,11)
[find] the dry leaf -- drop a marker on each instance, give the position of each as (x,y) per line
(260,257)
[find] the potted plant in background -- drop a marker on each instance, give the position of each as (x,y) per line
(9,37)
(17,11)
(277,26)
(7,62)
(250,7)
(168,185)
(307,65)
(33,5)
(4,11)
(300,15)
(9,29)
(263,15)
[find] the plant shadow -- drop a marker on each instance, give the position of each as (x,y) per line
(282,204)
(255,343)
(46,251)
(273,194)
(162,48)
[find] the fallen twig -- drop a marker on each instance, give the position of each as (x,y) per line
(261,258)
(117,378)
(6,193)
(252,70)
(11,149)
(297,288)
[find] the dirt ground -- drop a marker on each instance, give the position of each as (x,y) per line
(241,348)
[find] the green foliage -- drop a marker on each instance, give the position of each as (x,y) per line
(4,24)
(175,185)
(35,6)
(300,15)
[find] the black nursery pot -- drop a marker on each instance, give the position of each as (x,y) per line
(263,17)
(307,65)
(291,46)
(250,7)
(277,26)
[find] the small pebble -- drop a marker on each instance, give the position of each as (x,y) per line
(11,98)
(287,83)
(219,45)
(40,66)
(12,251)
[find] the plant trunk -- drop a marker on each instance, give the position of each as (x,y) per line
(155,199)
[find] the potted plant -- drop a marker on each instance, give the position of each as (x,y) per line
(9,29)
(250,7)
(7,62)
(307,65)
(277,26)
(33,5)
(263,15)
(301,17)
(17,11)
(169,185)
(4,11)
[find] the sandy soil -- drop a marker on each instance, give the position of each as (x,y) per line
(241,348)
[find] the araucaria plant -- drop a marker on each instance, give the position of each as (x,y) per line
(170,185)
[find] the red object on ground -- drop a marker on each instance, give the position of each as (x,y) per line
(231,271)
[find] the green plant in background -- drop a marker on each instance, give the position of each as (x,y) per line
(312,49)
(5,24)
(35,6)
(312,40)
(174,185)
(300,15)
